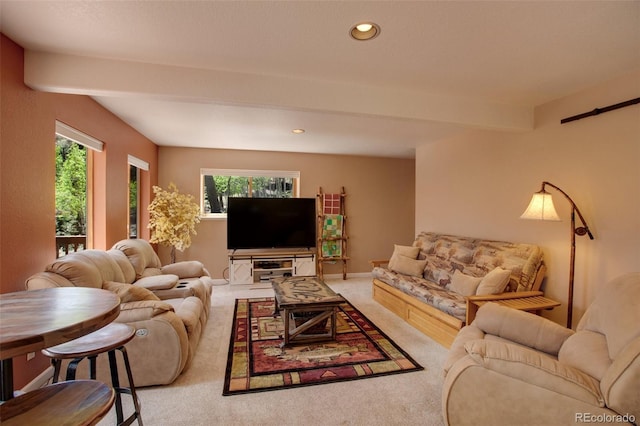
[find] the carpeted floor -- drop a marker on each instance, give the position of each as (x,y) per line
(195,398)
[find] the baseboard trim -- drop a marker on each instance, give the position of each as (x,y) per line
(349,275)
(43,379)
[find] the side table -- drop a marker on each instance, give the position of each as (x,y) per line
(529,301)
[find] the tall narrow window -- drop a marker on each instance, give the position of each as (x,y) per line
(218,185)
(134,201)
(73,188)
(136,167)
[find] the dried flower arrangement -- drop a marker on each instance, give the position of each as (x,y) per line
(173,217)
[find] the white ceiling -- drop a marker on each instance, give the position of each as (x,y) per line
(243,74)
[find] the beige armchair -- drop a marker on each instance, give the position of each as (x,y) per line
(514,368)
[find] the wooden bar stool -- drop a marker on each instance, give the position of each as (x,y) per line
(81,402)
(108,339)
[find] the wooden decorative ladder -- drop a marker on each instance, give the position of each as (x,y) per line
(332,230)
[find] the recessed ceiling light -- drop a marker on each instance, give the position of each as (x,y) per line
(365,31)
(297,131)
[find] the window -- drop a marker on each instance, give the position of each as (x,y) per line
(134,199)
(135,167)
(217,185)
(73,188)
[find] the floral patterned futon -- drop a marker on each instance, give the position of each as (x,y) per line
(472,256)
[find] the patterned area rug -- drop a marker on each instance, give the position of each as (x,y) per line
(257,363)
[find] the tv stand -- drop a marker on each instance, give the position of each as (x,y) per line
(258,265)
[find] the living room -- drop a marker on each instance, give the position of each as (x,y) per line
(476,182)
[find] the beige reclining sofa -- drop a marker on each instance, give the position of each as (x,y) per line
(168,306)
(514,368)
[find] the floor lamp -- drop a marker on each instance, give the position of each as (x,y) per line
(541,208)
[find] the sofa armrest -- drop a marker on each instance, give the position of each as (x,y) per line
(142,310)
(506,295)
(521,327)
(186,269)
(378,263)
(158,282)
(457,350)
(160,349)
(189,312)
(46,280)
(128,292)
(535,368)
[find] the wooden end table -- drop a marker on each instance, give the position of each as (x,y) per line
(529,301)
(306,304)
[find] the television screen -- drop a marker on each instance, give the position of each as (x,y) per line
(261,223)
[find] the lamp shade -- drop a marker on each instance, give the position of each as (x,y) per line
(541,208)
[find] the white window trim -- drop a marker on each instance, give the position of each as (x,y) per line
(252,173)
(78,137)
(136,162)
(240,172)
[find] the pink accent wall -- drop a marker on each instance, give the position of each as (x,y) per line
(27,175)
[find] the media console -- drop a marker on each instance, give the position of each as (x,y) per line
(259,265)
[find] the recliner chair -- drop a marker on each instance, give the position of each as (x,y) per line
(511,367)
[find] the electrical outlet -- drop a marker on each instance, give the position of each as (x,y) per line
(30,356)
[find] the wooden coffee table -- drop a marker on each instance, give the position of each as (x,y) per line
(306,304)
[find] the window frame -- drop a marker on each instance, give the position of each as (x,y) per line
(248,173)
(139,166)
(93,145)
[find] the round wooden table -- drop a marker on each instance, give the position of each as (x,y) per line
(39,319)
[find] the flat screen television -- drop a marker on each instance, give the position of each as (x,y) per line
(265,223)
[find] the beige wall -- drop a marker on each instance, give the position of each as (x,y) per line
(380,198)
(480,183)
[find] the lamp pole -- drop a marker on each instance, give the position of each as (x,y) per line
(541,208)
(581,230)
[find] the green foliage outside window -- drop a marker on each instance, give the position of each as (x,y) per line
(218,189)
(71,187)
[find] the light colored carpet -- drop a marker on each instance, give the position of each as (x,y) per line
(195,398)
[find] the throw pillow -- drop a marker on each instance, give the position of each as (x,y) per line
(494,282)
(464,285)
(408,266)
(409,252)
